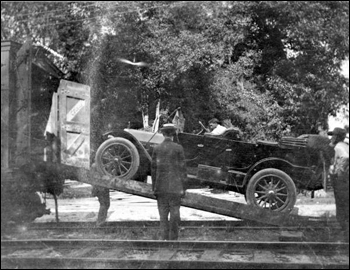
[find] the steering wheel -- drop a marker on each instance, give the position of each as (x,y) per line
(203,130)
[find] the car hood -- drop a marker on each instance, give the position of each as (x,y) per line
(146,136)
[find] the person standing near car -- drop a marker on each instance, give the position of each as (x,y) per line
(102,194)
(339,172)
(168,170)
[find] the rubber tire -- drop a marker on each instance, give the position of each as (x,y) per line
(144,170)
(135,157)
(287,180)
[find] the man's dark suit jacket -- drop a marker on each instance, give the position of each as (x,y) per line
(168,168)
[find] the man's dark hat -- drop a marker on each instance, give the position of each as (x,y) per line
(214,120)
(337,131)
(168,128)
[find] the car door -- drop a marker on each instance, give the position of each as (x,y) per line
(223,152)
(193,147)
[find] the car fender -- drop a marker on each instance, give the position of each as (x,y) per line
(124,134)
(273,162)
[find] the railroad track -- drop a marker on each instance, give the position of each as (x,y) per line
(211,224)
(181,254)
(189,230)
(81,254)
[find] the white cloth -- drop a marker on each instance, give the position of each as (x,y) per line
(341,158)
(179,121)
(51,125)
(218,130)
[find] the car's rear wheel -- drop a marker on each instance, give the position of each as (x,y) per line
(271,189)
(118,157)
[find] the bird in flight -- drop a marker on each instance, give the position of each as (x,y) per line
(140,64)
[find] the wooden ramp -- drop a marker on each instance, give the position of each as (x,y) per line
(192,200)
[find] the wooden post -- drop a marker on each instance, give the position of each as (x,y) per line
(24,99)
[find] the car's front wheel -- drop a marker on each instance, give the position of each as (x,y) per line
(271,189)
(118,157)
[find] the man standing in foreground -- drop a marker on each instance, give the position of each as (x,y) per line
(340,178)
(168,179)
(102,194)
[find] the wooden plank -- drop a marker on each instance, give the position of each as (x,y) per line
(291,236)
(192,200)
(163,254)
(5,106)
(74,123)
(211,255)
(107,254)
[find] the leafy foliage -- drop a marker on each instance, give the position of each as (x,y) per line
(271,67)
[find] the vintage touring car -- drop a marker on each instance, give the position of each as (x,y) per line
(269,174)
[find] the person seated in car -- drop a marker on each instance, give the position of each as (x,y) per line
(215,127)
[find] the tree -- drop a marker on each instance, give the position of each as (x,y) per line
(272,67)
(306,43)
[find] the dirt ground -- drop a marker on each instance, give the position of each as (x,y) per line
(77,204)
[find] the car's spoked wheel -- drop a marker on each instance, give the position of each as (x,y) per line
(272,189)
(117,160)
(118,157)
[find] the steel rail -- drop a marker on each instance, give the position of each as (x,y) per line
(234,224)
(172,254)
(233,231)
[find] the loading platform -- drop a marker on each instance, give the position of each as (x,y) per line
(192,200)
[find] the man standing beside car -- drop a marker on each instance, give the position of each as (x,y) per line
(102,193)
(340,178)
(168,180)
